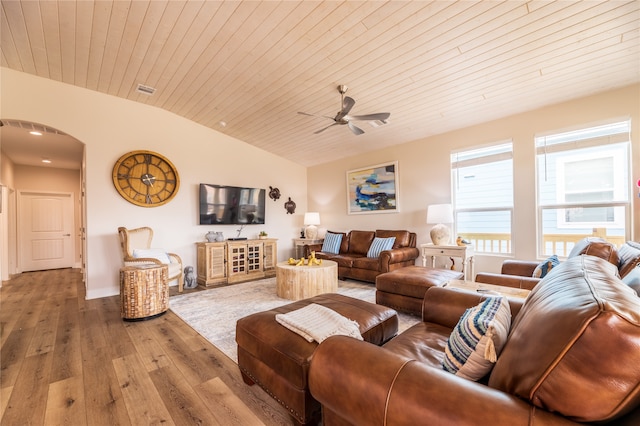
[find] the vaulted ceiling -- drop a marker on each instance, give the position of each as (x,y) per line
(246,68)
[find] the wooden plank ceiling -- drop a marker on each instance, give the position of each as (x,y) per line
(434,65)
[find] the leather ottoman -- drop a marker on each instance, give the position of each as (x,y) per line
(278,359)
(404,288)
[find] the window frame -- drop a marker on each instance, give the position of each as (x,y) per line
(456,164)
(620,141)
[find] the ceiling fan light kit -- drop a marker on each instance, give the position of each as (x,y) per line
(343,117)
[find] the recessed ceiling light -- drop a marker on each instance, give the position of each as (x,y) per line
(46,160)
(223,123)
(35,133)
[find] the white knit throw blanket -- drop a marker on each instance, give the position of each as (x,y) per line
(317,322)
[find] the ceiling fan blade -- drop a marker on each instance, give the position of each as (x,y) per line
(314,115)
(347,104)
(356,130)
(324,128)
(371,117)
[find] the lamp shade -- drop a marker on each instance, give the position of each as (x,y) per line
(440,213)
(312,218)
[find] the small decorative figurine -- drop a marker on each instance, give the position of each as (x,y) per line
(462,242)
(290,206)
(189,277)
(274,193)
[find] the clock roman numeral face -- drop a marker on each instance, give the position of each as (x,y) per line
(146,178)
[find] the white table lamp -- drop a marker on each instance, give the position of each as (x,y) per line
(440,214)
(311,220)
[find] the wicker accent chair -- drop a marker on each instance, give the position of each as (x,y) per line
(137,242)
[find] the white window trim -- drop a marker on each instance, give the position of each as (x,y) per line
(543,147)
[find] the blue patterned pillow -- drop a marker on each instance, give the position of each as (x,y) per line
(332,243)
(478,338)
(379,245)
(545,267)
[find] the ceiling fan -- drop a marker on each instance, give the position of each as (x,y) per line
(343,117)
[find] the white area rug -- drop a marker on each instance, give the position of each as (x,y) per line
(213,313)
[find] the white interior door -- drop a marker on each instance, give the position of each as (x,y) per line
(45,230)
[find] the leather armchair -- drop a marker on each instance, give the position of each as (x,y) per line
(519,273)
(514,273)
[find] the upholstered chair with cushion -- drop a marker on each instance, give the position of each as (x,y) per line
(137,250)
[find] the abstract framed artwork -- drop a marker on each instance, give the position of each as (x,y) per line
(373,189)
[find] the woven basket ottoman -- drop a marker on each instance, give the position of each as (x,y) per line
(144,291)
(278,359)
(403,289)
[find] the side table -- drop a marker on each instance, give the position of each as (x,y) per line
(144,291)
(463,252)
(301,282)
(299,243)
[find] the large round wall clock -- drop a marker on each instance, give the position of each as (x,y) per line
(146,178)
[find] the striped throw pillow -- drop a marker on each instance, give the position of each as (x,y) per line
(332,243)
(379,245)
(478,338)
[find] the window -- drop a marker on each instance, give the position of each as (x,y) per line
(583,186)
(482,182)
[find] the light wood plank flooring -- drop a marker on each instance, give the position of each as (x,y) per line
(70,361)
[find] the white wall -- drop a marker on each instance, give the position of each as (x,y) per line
(7,235)
(110,127)
(425,177)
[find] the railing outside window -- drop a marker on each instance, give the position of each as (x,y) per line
(560,244)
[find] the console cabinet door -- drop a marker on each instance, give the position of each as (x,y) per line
(211,258)
(236,261)
(270,258)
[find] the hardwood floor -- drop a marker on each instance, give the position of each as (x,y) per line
(70,361)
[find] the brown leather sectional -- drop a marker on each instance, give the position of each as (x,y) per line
(572,356)
(352,257)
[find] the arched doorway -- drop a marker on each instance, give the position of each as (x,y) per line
(37,159)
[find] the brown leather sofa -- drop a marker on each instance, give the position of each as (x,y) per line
(571,356)
(352,257)
(519,273)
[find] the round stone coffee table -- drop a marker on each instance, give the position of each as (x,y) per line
(301,282)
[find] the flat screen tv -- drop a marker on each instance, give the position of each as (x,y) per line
(231,205)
